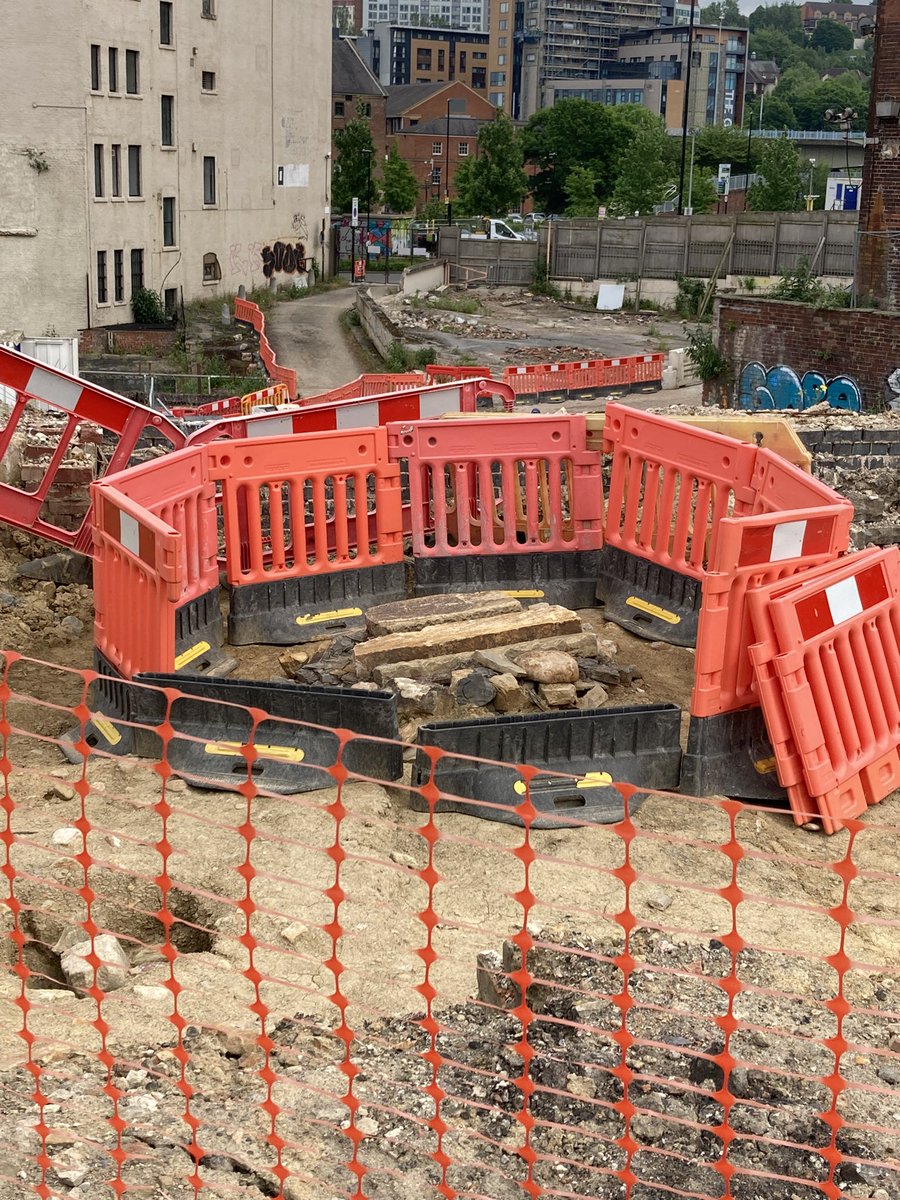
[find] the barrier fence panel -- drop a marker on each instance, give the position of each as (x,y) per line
(412,404)
(85,428)
(670,487)
(335,993)
(836,663)
(176,490)
(138,584)
(750,553)
(319,507)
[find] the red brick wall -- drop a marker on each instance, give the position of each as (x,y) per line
(878,271)
(127,341)
(861,343)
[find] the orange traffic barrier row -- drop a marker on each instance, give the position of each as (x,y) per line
(251,314)
(586,379)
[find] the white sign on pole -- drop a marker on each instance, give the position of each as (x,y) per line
(354,213)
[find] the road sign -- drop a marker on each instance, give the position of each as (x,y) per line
(723,181)
(354,213)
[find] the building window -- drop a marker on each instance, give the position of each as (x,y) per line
(462,60)
(209,180)
(208,8)
(168,213)
(463,151)
(113,69)
(132,72)
(501,60)
(115,162)
(98,170)
(102,290)
(167,120)
(503,26)
(501,43)
(437,147)
(96,81)
(441,60)
(137,270)
(119,276)
(338,108)
(134,171)
(165,23)
(212,272)
(208,81)
(170,301)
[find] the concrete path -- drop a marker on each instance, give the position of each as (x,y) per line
(307,335)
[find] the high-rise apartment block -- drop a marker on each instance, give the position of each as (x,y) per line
(456,14)
(157,143)
(534,41)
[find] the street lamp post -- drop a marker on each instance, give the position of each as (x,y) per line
(686,111)
(447,169)
(810,198)
(368,154)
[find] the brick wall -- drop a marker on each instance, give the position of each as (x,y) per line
(878,269)
(127,341)
(861,343)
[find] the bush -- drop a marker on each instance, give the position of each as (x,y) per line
(147,307)
(690,296)
(709,361)
(801,286)
(541,284)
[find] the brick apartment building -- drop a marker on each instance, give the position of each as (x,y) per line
(355,89)
(436,129)
(815,11)
(402,54)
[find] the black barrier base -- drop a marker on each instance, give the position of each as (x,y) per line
(295,745)
(731,755)
(556,578)
(648,600)
(637,745)
(199,633)
(287,612)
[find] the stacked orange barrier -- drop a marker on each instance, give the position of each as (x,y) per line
(372,385)
(586,379)
(332,995)
(828,668)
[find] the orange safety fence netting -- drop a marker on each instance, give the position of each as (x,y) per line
(330,994)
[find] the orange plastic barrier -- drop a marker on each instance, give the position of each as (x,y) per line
(505,487)
(310,506)
(372,385)
(336,994)
(438,373)
(66,407)
(174,497)
(585,379)
(671,486)
(831,665)
(251,314)
(750,553)
(412,404)
(137,584)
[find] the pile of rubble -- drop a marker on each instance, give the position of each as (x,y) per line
(447,655)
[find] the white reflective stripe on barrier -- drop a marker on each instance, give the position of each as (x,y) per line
(270,427)
(130,533)
(844,600)
(358,416)
(64,392)
(787,540)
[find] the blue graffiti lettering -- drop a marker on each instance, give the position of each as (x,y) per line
(782,387)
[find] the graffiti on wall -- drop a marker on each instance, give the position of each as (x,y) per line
(893,389)
(283,257)
(782,387)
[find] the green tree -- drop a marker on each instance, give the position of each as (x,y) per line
(724,11)
(645,175)
(781,186)
(776,114)
(495,181)
(399,184)
(703,193)
(830,36)
(716,145)
(785,16)
(355,167)
(581,193)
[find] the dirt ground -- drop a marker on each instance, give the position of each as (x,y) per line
(511,327)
